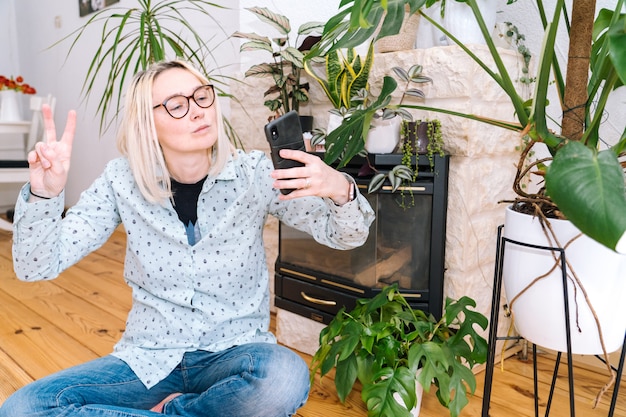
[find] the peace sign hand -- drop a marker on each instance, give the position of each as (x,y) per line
(49,162)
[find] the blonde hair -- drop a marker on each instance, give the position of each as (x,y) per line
(137,138)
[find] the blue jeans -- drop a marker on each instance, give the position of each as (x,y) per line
(257,379)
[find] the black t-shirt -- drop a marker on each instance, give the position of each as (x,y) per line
(186,205)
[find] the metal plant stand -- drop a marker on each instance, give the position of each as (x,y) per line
(493,337)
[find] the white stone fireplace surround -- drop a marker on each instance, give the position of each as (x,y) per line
(482,167)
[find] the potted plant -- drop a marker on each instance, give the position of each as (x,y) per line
(132,38)
(346,86)
(584,185)
(346,75)
(422,137)
(419,137)
(345,83)
(383,343)
(9,106)
(347,134)
(285,67)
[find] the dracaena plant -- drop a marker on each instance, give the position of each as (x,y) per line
(286,64)
(583,182)
(383,342)
(133,38)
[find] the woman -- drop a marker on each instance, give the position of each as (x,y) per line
(196,341)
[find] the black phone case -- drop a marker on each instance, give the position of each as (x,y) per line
(285,132)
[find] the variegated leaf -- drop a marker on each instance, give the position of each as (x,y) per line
(278,21)
(401,73)
(250,36)
(311,27)
(414,92)
(294,56)
(256,46)
(376,182)
(260,70)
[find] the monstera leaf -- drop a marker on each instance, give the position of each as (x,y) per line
(588,187)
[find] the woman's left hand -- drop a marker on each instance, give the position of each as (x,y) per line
(315,178)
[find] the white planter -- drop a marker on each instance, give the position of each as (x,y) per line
(461,23)
(428,35)
(334,121)
(419,392)
(383,136)
(9,106)
(538,313)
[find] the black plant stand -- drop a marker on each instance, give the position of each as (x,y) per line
(493,337)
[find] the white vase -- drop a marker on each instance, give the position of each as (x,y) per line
(334,121)
(419,393)
(9,106)
(428,35)
(384,135)
(461,23)
(539,313)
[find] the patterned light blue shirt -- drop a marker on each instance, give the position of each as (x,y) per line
(210,296)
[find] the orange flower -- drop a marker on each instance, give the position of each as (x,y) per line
(16,84)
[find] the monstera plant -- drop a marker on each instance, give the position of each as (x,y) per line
(383,343)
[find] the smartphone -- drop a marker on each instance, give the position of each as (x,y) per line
(285,132)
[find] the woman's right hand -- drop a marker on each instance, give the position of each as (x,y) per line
(49,162)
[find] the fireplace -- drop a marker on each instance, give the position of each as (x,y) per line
(405,246)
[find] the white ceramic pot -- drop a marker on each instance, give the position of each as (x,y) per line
(419,393)
(9,106)
(538,313)
(334,121)
(461,23)
(428,35)
(384,135)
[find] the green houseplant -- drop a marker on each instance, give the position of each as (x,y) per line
(345,75)
(586,184)
(347,88)
(132,38)
(383,342)
(286,65)
(422,137)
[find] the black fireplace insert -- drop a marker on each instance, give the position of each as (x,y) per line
(406,246)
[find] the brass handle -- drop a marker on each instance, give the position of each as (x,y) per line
(317,300)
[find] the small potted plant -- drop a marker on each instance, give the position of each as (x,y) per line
(345,83)
(285,67)
(346,86)
(421,137)
(9,106)
(383,343)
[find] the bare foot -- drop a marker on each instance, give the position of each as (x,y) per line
(159,407)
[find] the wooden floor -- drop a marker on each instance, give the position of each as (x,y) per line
(48,326)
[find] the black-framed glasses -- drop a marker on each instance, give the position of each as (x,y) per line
(178,106)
